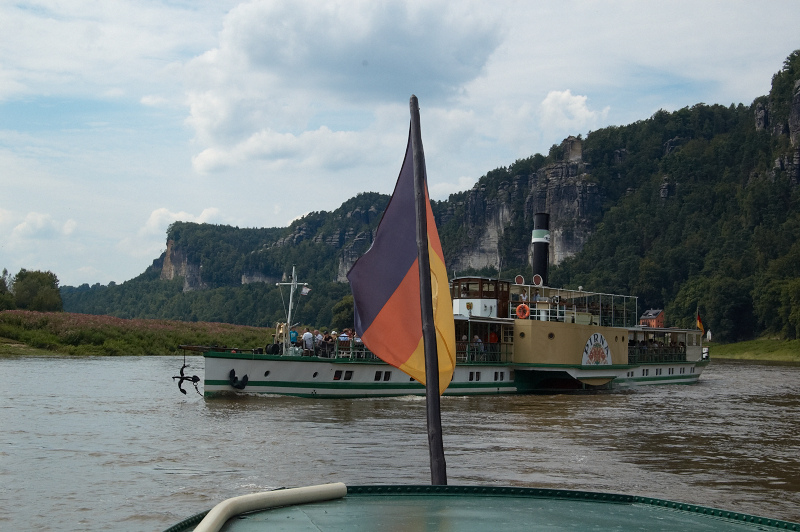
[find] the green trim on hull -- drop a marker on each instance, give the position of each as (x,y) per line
(355,389)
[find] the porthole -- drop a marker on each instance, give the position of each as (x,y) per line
(266,373)
(522,335)
(616,338)
(551,336)
(314,376)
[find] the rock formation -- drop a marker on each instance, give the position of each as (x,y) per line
(176,265)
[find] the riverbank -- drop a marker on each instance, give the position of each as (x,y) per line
(48,333)
(25,333)
(765,349)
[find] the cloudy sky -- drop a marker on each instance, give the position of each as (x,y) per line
(120,117)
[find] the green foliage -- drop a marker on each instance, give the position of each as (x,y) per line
(695,214)
(783,87)
(82,334)
(6,297)
(36,290)
(343,312)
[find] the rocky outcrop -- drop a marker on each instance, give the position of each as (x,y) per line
(562,189)
(356,246)
(794,116)
(176,265)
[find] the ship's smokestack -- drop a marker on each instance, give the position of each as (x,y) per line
(541,246)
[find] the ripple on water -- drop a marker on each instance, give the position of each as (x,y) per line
(112,437)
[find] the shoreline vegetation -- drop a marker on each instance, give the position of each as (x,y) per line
(25,332)
(28,333)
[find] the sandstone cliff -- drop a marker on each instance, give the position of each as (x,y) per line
(176,265)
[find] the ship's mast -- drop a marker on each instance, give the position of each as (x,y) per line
(293,287)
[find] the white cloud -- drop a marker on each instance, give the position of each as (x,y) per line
(38,226)
(152,100)
(272,108)
(565,111)
(278,65)
(441,191)
(148,242)
(160,219)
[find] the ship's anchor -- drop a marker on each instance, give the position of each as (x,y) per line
(237,383)
(194,379)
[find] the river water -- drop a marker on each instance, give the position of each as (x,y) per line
(110,444)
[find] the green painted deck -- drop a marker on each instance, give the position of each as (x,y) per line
(451,508)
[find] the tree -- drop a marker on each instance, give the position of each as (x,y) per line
(6,297)
(343,313)
(37,290)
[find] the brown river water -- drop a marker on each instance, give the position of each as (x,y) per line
(110,443)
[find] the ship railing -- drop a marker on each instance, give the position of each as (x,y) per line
(352,349)
(483,353)
(582,315)
(656,354)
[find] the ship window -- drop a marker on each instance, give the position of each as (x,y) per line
(691,370)
(470,289)
(411,379)
(337,376)
(266,373)
(387,375)
(502,375)
(497,375)
(511,375)
(471,375)
(348,375)
(378,375)
(489,290)
(314,376)
(477,375)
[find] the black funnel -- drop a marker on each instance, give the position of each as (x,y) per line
(541,247)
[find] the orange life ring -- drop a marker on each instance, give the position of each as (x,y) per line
(523,311)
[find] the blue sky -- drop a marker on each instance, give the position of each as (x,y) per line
(118,118)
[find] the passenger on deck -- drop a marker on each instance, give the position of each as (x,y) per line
(327,344)
(494,340)
(461,347)
(317,342)
(293,336)
(308,343)
(477,345)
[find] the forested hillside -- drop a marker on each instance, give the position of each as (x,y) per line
(697,208)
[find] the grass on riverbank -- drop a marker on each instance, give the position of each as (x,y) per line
(761,349)
(31,333)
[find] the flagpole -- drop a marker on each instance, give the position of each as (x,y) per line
(435,444)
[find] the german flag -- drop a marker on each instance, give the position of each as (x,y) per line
(700,323)
(386,288)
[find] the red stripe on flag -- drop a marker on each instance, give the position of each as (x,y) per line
(396,331)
